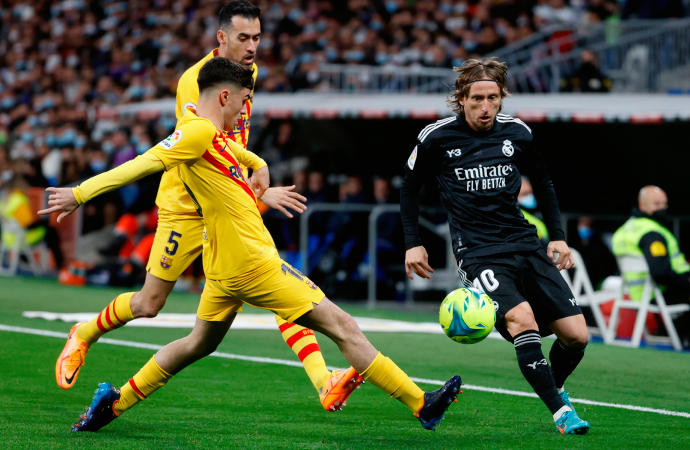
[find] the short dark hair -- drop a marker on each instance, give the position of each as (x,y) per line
(237,8)
(489,69)
(221,70)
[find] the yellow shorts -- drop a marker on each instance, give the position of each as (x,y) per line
(275,286)
(178,242)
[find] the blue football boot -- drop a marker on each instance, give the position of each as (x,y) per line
(566,399)
(570,423)
(100,413)
(437,402)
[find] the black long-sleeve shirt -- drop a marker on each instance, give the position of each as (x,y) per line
(479,176)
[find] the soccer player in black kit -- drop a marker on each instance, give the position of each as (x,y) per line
(478,157)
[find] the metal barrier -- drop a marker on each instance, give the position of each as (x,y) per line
(441,230)
(386,79)
(633,53)
(375,212)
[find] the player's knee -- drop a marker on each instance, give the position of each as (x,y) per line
(149,304)
(520,321)
(576,340)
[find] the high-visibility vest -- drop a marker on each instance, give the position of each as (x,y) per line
(542,231)
(626,242)
(18,208)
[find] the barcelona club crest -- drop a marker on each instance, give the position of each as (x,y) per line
(166,262)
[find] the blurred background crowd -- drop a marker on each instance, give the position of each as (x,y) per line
(65,64)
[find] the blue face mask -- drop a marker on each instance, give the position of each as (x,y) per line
(97,165)
(27,136)
(391,7)
(108,147)
(381,58)
(80,141)
(585,233)
(528,201)
(50,140)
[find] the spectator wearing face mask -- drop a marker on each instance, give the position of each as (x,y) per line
(646,233)
(528,206)
(597,256)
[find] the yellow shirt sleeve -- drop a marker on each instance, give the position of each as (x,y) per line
(187,143)
(246,157)
(121,175)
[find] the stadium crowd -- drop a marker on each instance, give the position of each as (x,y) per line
(65,65)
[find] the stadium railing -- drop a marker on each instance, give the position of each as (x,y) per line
(374,213)
(633,53)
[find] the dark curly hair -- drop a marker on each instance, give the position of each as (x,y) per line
(222,70)
(476,70)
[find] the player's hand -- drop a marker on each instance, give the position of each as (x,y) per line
(259,181)
(283,197)
(559,253)
(60,200)
(417,261)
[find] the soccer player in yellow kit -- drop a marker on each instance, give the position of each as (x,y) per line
(178,238)
(241,261)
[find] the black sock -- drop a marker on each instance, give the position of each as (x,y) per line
(536,370)
(563,361)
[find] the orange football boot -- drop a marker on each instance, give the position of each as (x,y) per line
(338,388)
(71,359)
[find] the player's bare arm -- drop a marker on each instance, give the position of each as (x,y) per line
(417,261)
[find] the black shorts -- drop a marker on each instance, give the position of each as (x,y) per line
(513,278)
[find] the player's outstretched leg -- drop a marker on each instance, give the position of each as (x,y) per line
(377,369)
(125,307)
(157,371)
(335,387)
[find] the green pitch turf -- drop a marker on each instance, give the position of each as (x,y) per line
(224,403)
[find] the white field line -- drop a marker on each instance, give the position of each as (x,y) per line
(285,362)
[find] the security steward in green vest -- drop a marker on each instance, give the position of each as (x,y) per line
(644,234)
(15,206)
(528,207)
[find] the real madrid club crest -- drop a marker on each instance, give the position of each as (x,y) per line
(508,149)
(166,262)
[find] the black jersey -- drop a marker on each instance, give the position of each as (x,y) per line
(479,176)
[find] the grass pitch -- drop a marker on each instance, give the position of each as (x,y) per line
(228,403)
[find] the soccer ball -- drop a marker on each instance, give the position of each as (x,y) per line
(467,315)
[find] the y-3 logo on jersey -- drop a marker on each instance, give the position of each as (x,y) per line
(454,153)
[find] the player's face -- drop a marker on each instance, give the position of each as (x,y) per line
(234,103)
(482,104)
(240,40)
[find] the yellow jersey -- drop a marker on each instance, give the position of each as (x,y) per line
(208,162)
(172,197)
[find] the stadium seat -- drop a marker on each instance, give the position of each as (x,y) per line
(585,294)
(651,291)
